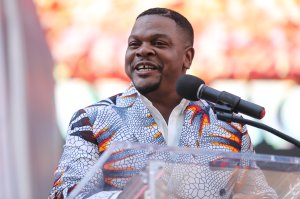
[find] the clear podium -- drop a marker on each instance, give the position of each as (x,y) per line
(161,172)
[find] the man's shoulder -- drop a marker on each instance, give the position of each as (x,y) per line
(110,104)
(114,100)
(105,105)
(102,108)
(110,101)
(203,104)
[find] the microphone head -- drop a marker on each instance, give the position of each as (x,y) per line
(187,87)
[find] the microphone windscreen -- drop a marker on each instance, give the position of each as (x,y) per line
(187,87)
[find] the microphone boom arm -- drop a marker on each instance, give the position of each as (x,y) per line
(229,117)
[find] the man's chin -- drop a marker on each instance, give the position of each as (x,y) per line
(146,89)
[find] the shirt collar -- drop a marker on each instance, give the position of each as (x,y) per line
(180,107)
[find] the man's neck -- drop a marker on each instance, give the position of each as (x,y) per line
(164,103)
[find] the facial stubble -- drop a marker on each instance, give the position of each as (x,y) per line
(149,88)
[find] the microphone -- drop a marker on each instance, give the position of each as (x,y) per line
(194,88)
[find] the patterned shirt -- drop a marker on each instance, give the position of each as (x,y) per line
(131,117)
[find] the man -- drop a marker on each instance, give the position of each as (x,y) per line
(160,50)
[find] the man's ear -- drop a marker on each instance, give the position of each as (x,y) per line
(188,58)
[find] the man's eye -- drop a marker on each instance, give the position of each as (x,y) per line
(133,44)
(159,43)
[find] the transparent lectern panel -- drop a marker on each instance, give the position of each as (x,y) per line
(159,172)
(181,180)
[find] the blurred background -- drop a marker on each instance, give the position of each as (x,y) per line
(59,56)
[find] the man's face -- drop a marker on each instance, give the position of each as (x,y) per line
(156,54)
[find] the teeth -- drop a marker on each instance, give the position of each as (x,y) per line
(145,67)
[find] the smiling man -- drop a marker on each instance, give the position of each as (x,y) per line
(160,50)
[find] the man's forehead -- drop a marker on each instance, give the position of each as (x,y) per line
(152,23)
(153,35)
(157,20)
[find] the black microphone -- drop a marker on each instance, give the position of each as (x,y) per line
(194,88)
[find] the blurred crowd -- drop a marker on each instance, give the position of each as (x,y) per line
(236,39)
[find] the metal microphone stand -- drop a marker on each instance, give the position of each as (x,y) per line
(225,113)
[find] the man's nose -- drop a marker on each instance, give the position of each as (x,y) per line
(145,50)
